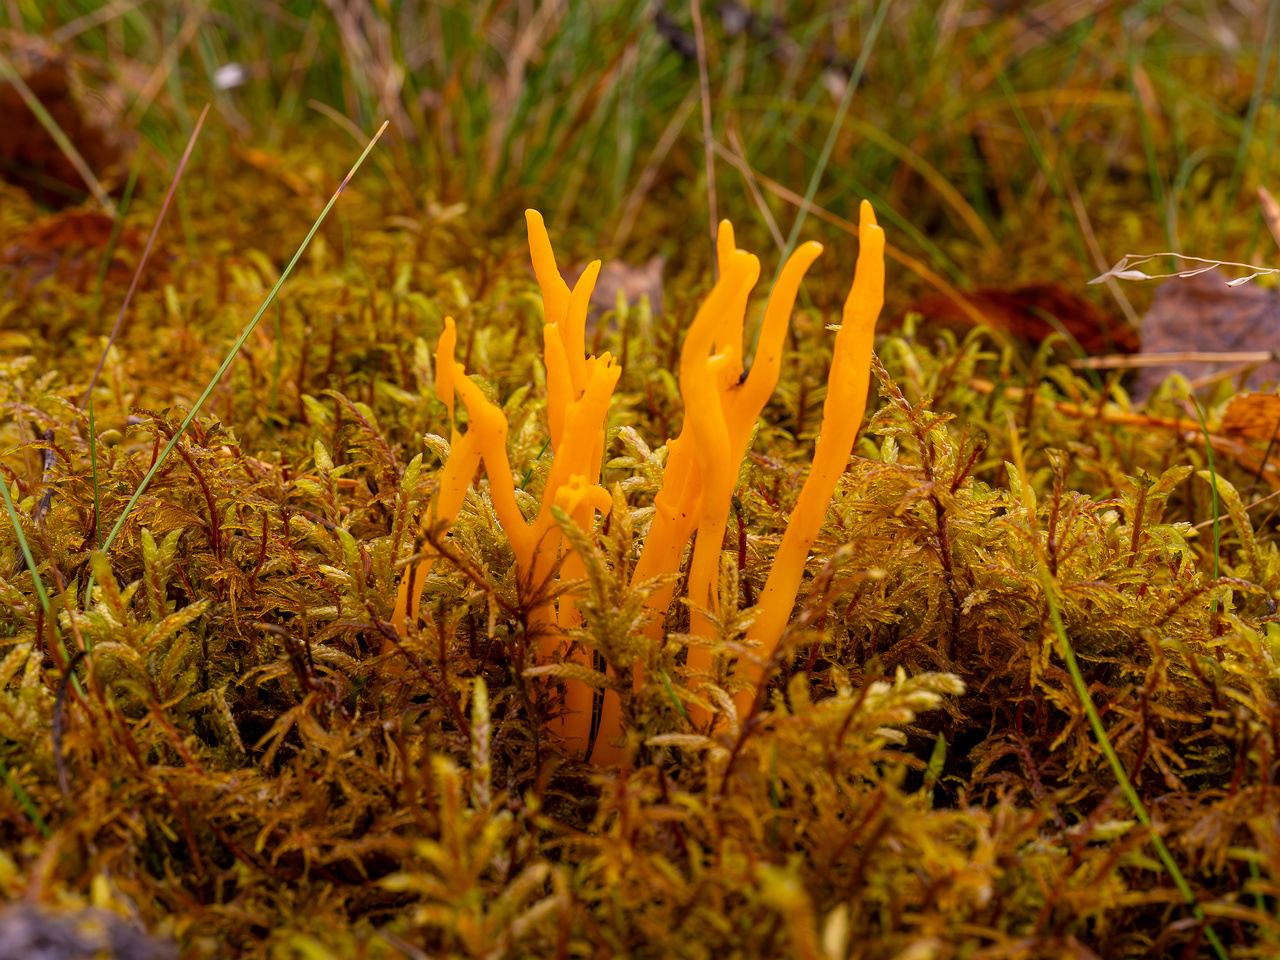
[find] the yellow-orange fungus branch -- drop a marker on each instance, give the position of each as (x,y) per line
(579,389)
(842,412)
(703,463)
(455,479)
(702,390)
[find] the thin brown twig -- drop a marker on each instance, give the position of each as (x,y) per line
(1229,373)
(1121,361)
(146,253)
(1229,446)
(168,61)
(72,29)
(1248,506)
(1095,251)
(1270,211)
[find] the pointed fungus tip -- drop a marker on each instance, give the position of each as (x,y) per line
(807,252)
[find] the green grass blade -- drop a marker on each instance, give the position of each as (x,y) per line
(1213,476)
(1091,711)
(24,799)
(883,210)
(1117,768)
(235,348)
(26,549)
(867,46)
(97,490)
(679,704)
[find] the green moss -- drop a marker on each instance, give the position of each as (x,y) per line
(248,769)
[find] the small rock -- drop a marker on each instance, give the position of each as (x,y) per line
(29,932)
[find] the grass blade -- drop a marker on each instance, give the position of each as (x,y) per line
(1117,768)
(1091,711)
(1213,476)
(25,548)
(855,78)
(24,800)
(93,462)
(235,348)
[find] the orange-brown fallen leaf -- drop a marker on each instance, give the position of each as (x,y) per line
(1255,415)
(59,241)
(30,158)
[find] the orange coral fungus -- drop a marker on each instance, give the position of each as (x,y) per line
(722,405)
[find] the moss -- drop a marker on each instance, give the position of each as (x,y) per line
(258,763)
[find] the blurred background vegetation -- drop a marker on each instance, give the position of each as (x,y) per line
(999,141)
